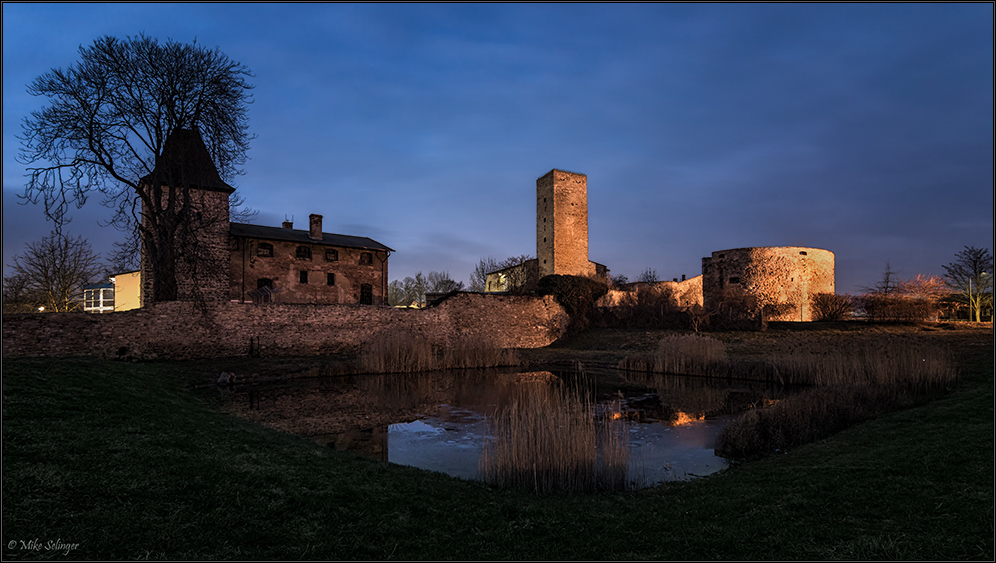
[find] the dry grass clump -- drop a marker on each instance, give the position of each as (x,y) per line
(853,379)
(406,352)
(902,362)
(548,440)
(471,352)
(849,386)
(805,417)
(686,354)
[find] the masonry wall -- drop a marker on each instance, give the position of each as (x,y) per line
(179,330)
(284,268)
(562,224)
(202,248)
(783,276)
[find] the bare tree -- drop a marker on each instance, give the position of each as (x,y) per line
(888,284)
(648,276)
(18,297)
(106,129)
(971,277)
(519,279)
(441,282)
(479,277)
(52,272)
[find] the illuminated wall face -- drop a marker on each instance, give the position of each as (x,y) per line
(127,291)
(562,224)
(783,276)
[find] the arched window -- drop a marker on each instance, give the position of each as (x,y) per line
(304,252)
(264,249)
(331,255)
(366,258)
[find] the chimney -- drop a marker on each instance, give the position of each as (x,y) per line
(288,224)
(315,227)
(682,277)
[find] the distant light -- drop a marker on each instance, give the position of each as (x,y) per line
(40,309)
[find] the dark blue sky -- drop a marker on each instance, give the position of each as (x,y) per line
(864,129)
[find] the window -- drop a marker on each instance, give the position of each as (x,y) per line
(330,279)
(304,252)
(264,282)
(366,294)
(366,258)
(98,300)
(264,249)
(331,255)
(802,253)
(734,280)
(304,276)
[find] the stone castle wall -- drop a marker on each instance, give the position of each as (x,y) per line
(783,277)
(180,330)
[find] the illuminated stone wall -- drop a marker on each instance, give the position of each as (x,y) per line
(781,277)
(562,224)
(182,330)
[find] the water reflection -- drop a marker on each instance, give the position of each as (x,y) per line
(441,421)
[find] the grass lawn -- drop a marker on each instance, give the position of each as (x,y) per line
(111,460)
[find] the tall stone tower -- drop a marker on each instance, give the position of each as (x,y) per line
(562,224)
(185,216)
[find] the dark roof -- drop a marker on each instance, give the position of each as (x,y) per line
(302,236)
(185,161)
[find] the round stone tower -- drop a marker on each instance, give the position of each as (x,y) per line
(781,278)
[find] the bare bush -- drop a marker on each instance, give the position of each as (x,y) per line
(830,306)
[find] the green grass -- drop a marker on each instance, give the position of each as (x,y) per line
(125,461)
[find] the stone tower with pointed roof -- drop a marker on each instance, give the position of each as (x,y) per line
(185,183)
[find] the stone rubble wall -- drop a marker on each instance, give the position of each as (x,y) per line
(181,330)
(786,276)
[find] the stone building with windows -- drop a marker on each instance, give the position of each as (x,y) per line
(217,260)
(288,265)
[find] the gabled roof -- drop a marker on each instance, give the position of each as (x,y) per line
(185,162)
(244,230)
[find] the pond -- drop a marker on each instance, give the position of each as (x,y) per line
(445,421)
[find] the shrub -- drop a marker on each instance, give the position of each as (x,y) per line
(892,307)
(650,306)
(830,306)
(576,294)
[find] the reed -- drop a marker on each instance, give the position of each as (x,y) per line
(851,381)
(686,354)
(406,352)
(548,441)
(847,387)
